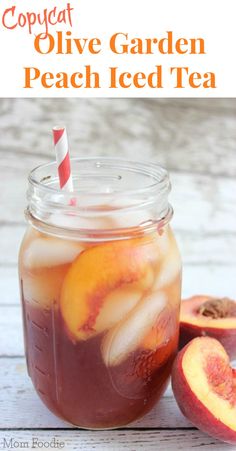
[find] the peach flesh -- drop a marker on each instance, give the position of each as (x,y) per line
(96,273)
(221,377)
(204,386)
(208,316)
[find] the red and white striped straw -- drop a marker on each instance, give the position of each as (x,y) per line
(63,158)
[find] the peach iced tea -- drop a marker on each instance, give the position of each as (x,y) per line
(101,316)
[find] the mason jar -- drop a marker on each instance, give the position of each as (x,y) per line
(100,277)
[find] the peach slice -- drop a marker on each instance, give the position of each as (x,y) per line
(204,386)
(96,273)
(214,317)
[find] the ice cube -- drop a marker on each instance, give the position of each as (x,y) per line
(49,251)
(169,269)
(81,222)
(42,288)
(163,242)
(104,219)
(126,336)
(125,202)
(117,305)
(130,218)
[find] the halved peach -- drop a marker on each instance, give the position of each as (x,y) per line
(209,316)
(204,386)
(97,273)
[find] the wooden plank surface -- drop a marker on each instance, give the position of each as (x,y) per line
(121,440)
(194,135)
(17,393)
(196,141)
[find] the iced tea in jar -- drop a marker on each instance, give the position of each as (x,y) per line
(100,277)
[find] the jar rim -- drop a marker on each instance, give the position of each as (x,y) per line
(110,194)
(158,176)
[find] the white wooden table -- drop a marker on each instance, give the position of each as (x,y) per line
(196,141)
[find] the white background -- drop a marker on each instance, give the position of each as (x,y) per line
(213,21)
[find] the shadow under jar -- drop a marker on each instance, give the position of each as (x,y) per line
(100,277)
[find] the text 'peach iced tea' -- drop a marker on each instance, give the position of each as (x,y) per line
(100,282)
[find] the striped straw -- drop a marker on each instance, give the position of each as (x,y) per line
(63,158)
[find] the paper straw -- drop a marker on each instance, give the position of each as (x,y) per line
(63,158)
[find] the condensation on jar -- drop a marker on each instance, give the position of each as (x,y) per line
(100,283)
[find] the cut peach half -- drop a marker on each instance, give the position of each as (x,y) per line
(204,386)
(96,274)
(214,317)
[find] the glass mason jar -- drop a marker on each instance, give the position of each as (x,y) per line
(100,276)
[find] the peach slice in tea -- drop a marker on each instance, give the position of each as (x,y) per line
(96,273)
